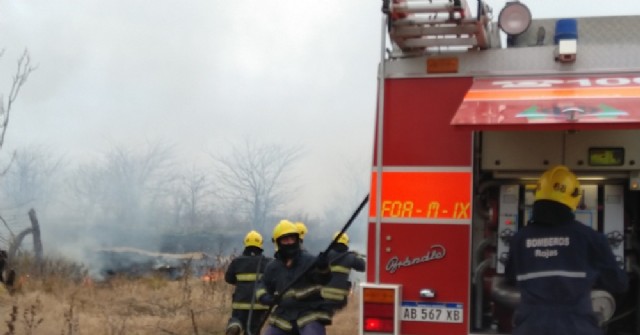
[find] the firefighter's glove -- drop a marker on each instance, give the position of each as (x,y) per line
(322,262)
(267,299)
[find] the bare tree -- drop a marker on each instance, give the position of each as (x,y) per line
(353,183)
(254,178)
(19,79)
(29,182)
(192,200)
(125,189)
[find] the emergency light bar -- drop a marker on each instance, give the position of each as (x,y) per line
(566,39)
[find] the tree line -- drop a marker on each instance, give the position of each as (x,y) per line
(145,196)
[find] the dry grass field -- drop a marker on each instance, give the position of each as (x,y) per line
(153,305)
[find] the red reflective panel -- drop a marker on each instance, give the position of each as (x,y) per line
(378,325)
(378,310)
(378,317)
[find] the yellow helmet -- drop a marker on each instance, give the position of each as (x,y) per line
(284,227)
(561,185)
(344,238)
(253,239)
(302,229)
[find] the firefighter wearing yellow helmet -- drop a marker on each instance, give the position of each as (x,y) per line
(560,185)
(284,227)
(341,262)
(243,272)
(300,307)
(555,261)
(343,239)
(302,228)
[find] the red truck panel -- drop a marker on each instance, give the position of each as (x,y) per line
(427,254)
(418,113)
(443,266)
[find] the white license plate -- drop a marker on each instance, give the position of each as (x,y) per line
(432,312)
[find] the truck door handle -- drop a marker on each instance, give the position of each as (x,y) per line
(573,113)
(427,293)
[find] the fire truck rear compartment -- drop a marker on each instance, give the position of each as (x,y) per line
(507,164)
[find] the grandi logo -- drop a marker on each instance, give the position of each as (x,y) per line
(436,252)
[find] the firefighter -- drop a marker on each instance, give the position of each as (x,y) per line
(300,308)
(243,272)
(3,262)
(555,261)
(6,283)
(302,228)
(341,262)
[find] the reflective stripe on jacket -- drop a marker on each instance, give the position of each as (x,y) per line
(302,302)
(341,264)
(242,272)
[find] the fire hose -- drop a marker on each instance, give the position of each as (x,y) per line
(253,300)
(289,285)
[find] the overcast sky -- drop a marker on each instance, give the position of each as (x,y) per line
(203,73)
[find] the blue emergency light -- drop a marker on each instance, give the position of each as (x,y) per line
(566,29)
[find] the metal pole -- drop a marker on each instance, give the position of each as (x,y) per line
(379,142)
(247,328)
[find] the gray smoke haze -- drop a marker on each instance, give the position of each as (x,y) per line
(195,77)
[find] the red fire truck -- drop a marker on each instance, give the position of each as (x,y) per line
(468,118)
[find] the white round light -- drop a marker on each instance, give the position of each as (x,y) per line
(514,18)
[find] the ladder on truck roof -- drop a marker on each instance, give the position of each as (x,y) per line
(417,26)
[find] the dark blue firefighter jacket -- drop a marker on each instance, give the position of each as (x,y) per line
(555,267)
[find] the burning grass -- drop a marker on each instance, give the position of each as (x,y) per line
(152,305)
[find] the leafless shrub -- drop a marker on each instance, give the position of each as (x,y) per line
(53,269)
(11,323)
(116,324)
(71,322)
(31,317)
